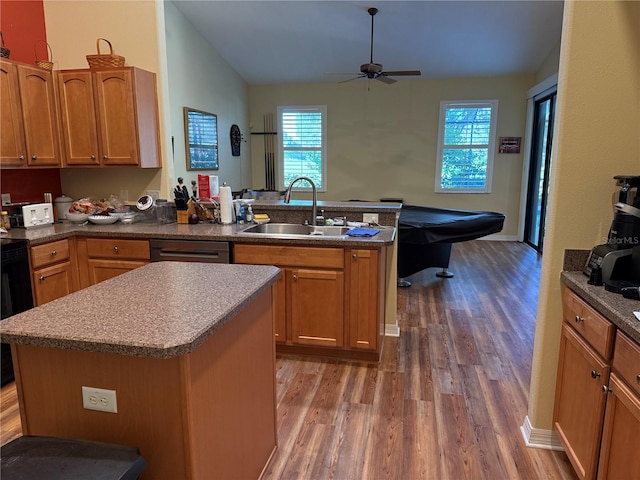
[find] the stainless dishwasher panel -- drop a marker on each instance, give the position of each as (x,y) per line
(165,250)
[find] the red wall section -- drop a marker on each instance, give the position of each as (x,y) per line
(22,25)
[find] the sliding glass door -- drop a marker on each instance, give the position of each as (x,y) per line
(540,162)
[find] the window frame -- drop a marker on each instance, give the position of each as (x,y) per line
(490,147)
(300,187)
(211,118)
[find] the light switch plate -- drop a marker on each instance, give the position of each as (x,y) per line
(6,199)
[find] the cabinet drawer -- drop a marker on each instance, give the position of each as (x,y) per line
(281,255)
(118,248)
(593,327)
(49,253)
(626,361)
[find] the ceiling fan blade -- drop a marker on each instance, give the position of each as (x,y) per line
(385,79)
(400,73)
(354,78)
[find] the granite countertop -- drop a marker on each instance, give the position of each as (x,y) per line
(161,310)
(279,212)
(614,307)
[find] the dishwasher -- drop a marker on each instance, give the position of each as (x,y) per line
(205,251)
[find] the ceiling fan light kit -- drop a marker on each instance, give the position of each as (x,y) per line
(374,71)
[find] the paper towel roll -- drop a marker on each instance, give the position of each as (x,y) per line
(226,205)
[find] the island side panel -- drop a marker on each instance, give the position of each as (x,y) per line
(231,385)
(149,402)
(208,414)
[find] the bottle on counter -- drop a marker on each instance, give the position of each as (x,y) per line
(6,224)
(249,215)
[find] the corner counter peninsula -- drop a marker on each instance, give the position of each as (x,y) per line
(189,350)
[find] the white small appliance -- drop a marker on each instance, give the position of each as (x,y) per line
(37,214)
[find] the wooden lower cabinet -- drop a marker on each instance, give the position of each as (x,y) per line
(53,272)
(597,404)
(619,458)
(316,302)
(100,259)
(580,402)
(329,301)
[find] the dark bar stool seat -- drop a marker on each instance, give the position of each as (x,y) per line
(51,458)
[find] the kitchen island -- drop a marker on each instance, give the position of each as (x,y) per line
(187,347)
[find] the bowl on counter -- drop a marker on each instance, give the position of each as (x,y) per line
(77,217)
(118,215)
(102,219)
(129,217)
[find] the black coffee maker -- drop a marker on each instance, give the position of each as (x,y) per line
(611,263)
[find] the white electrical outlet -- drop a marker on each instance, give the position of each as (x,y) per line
(99,399)
(155,194)
(6,199)
(370,217)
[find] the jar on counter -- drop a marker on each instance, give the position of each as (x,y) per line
(5,221)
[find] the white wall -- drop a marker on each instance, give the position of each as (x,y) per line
(154,36)
(596,136)
(383,142)
(200,78)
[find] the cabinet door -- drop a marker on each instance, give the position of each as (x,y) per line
(39,113)
(116,117)
(366,302)
(579,403)
(100,270)
(316,300)
(78,114)
(12,148)
(619,451)
(52,282)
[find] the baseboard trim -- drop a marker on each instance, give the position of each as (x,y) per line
(539,438)
(391,330)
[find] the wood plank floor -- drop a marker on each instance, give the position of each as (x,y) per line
(445,402)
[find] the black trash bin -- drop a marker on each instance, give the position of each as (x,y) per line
(51,458)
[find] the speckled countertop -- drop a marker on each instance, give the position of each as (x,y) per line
(161,310)
(614,307)
(291,213)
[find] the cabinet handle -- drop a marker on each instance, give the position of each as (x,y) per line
(93,157)
(105,157)
(579,319)
(638,379)
(53,253)
(354,256)
(295,277)
(116,250)
(34,157)
(605,389)
(41,278)
(21,157)
(594,374)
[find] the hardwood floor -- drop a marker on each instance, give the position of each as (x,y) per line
(445,402)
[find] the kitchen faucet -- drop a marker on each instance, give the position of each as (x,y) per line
(287,196)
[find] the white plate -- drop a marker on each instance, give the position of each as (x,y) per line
(102,219)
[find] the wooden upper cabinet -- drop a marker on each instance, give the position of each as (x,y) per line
(37,95)
(110,117)
(13,151)
(78,117)
(29,117)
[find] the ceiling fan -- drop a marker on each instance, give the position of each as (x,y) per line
(374,71)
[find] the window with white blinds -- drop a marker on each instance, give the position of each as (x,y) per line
(466,142)
(303,145)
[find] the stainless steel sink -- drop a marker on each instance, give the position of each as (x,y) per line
(291,229)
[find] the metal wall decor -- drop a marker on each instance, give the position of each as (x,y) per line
(236,138)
